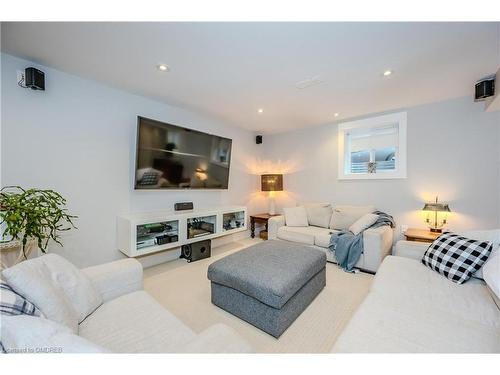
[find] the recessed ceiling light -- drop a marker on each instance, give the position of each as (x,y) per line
(260,110)
(387,73)
(336,114)
(163,68)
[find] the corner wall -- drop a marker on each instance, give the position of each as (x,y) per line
(453,152)
(78,138)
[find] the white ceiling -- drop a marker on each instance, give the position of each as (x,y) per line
(229,70)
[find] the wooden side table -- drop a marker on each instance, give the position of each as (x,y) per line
(259,218)
(421,235)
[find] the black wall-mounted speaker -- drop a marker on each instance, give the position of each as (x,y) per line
(484,89)
(258,139)
(34,79)
(181,206)
(196,250)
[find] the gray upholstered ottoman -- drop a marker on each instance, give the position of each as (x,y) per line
(268,284)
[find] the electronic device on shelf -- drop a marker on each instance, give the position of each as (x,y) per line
(196,250)
(181,206)
(166,238)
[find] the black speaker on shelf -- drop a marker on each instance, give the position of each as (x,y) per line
(181,206)
(196,250)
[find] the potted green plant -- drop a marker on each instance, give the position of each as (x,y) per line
(33,215)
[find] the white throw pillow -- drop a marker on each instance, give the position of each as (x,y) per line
(319,214)
(345,216)
(30,334)
(296,216)
(61,291)
(492,235)
(491,273)
(362,223)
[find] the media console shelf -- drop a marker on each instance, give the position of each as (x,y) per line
(146,233)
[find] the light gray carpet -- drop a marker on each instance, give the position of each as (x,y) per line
(183,288)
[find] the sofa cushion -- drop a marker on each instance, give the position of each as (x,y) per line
(319,214)
(135,323)
(296,216)
(296,234)
(344,216)
(307,235)
(491,273)
(31,334)
(456,257)
(492,235)
(413,309)
(388,325)
(412,283)
(49,279)
(322,237)
(271,271)
(364,222)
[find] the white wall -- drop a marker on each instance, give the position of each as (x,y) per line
(453,152)
(78,138)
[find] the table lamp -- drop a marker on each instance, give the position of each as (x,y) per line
(271,183)
(436,208)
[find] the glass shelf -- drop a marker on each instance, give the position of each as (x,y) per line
(157,234)
(201,226)
(233,220)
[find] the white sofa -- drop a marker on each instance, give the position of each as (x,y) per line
(377,242)
(411,308)
(131,321)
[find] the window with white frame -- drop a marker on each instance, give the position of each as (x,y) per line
(373,148)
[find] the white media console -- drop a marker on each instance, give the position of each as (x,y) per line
(146,233)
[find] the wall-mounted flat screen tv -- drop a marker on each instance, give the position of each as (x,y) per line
(172,157)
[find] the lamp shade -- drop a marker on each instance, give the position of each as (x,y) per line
(438,207)
(271,182)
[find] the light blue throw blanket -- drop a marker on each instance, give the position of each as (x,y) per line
(347,247)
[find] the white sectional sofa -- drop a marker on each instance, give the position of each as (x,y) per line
(377,242)
(411,308)
(129,320)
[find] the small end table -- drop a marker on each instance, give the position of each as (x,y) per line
(421,235)
(259,218)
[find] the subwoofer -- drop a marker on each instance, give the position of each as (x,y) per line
(196,250)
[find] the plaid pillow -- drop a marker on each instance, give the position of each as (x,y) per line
(149,178)
(456,257)
(12,303)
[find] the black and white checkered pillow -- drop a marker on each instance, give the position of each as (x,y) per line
(150,178)
(456,257)
(12,303)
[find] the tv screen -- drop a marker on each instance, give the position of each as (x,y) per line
(172,157)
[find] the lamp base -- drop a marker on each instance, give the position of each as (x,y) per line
(436,230)
(272,206)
